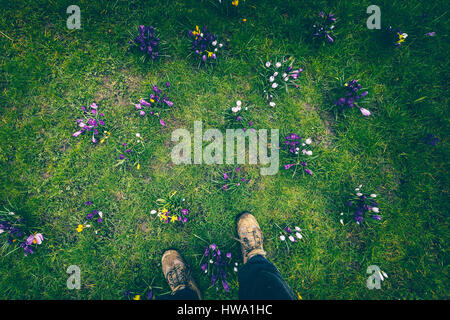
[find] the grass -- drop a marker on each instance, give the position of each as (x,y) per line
(48,72)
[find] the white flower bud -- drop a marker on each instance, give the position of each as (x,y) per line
(282,238)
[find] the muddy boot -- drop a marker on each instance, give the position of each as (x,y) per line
(177,272)
(250,236)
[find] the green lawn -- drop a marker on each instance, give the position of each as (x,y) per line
(48,72)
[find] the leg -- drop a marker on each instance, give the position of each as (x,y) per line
(179,278)
(258,278)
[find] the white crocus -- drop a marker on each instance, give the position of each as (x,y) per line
(278,64)
(373,195)
(309,153)
(275,74)
(297,229)
(272,104)
(100,214)
(298,235)
(284,75)
(267,64)
(286,79)
(153,212)
(239,103)
(291,238)
(365,112)
(220,45)
(214,43)
(138,135)
(282,238)
(359,194)
(235,269)
(271,79)
(375,209)
(308,141)
(341,221)
(274,85)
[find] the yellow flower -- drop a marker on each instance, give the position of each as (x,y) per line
(137,297)
(164,210)
(103,140)
(245,20)
(235,3)
(299,296)
(80,228)
(152,101)
(173,219)
(209,53)
(138,166)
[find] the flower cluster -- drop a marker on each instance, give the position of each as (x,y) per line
(171,209)
(147,41)
(289,234)
(396,36)
(93,218)
(351,97)
(204,44)
(277,76)
(11,226)
(362,205)
(237,116)
(91,122)
(324,27)
(157,102)
(298,151)
(232,180)
(217,266)
(130,152)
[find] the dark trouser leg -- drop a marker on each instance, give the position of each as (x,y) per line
(260,280)
(183,294)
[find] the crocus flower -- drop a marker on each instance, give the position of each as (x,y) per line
(365,112)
